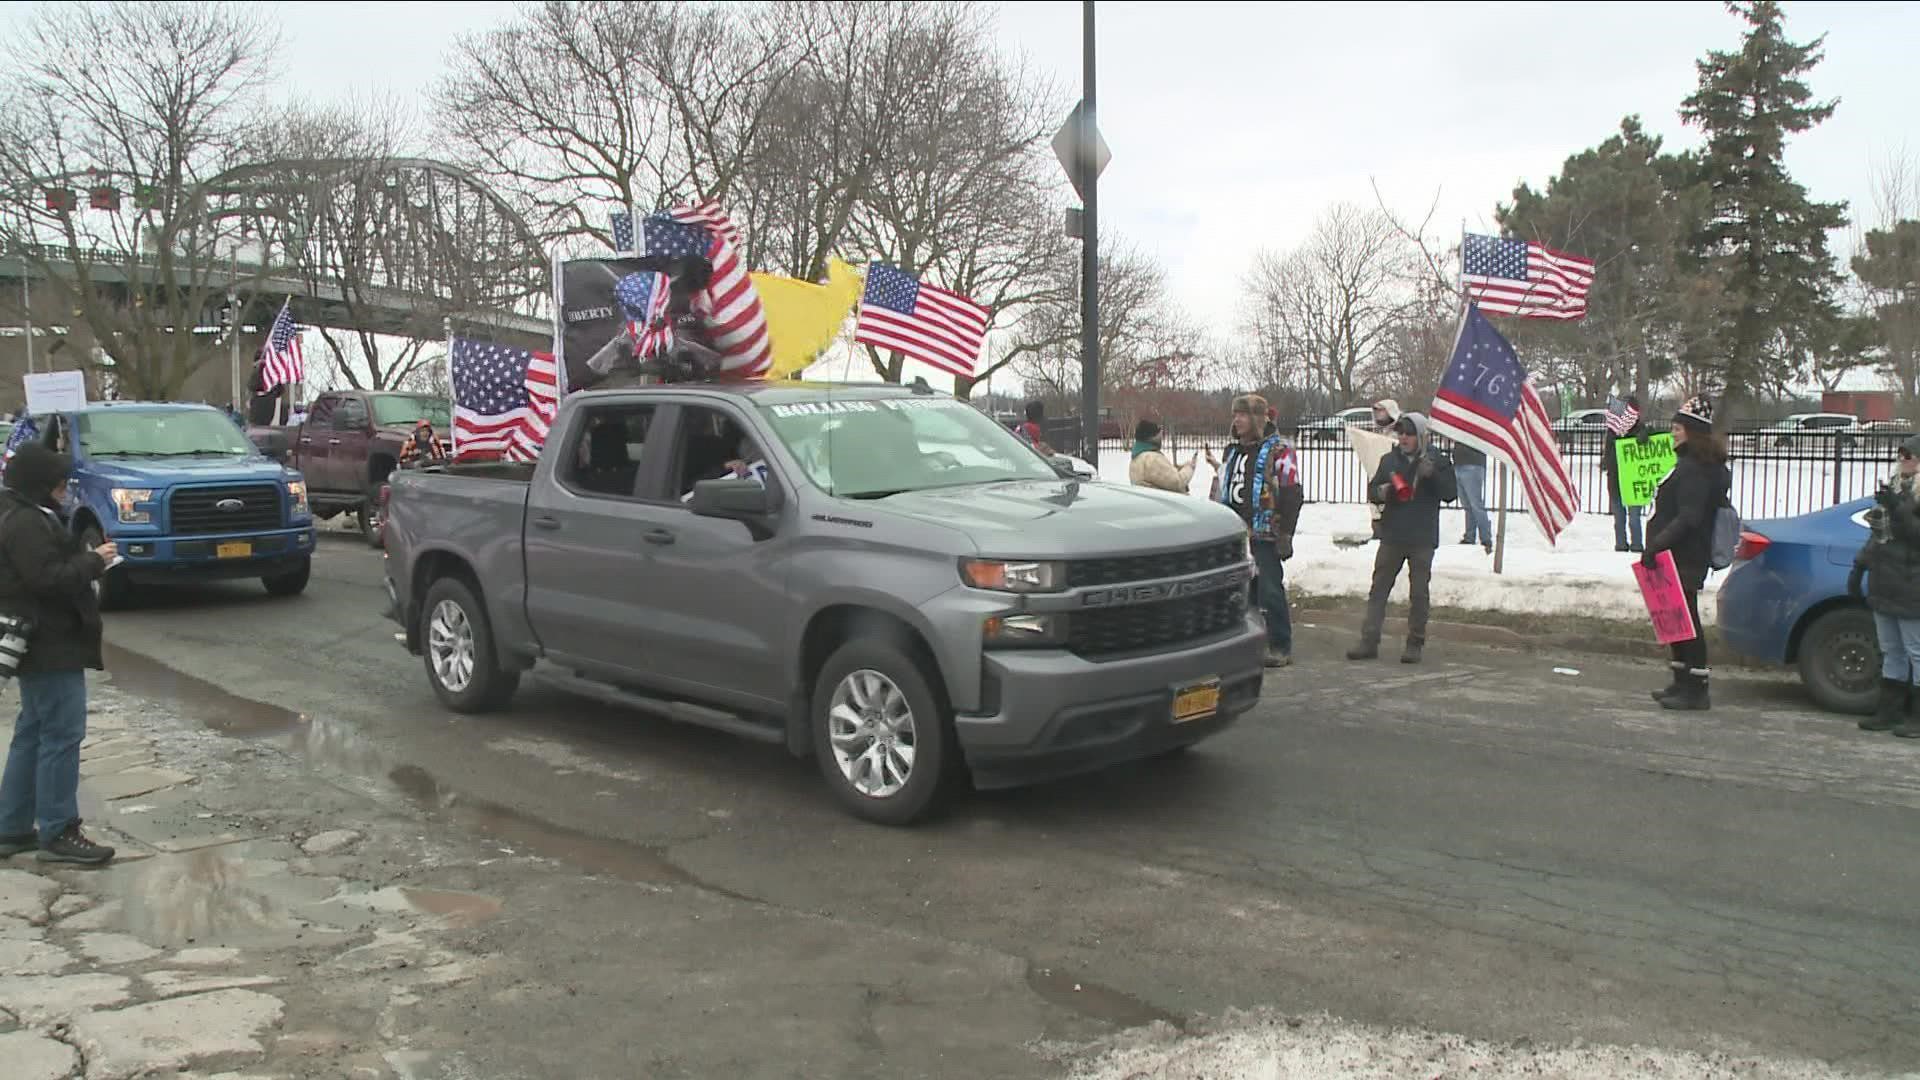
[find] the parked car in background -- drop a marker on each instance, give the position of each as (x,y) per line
(1883,436)
(1582,429)
(1331,429)
(185,496)
(349,443)
(1807,431)
(1785,601)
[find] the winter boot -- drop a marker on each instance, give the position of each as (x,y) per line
(1691,694)
(1411,654)
(72,846)
(1368,649)
(1679,674)
(1889,711)
(1908,726)
(17,843)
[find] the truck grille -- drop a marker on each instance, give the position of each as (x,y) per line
(1166,564)
(1112,631)
(197,509)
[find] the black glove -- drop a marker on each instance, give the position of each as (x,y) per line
(1283,547)
(1648,557)
(1424,469)
(1886,497)
(1854,582)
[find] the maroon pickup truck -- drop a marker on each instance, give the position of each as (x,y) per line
(347,446)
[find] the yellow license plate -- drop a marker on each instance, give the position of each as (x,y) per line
(232,551)
(1196,702)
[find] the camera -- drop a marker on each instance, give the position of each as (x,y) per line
(13,644)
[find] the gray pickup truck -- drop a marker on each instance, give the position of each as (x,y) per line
(880,577)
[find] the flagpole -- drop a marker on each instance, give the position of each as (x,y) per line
(453,429)
(1499,464)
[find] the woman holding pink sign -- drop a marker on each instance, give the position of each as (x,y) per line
(1890,562)
(1682,525)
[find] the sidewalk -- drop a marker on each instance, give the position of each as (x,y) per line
(236,930)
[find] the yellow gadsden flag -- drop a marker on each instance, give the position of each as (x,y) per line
(803,318)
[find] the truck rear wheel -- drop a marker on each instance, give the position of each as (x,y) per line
(463,664)
(112,591)
(289,582)
(881,733)
(368,514)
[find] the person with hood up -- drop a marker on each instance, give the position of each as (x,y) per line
(1260,480)
(1890,563)
(1413,479)
(46,578)
(423,447)
(1151,467)
(1683,513)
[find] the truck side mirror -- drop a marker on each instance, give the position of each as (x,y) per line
(734,500)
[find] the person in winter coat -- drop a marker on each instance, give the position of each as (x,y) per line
(1386,413)
(1625,423)
(423,447)
(46,578)
(1890,563)
(1412,481)
(1683,513)
(1260,480)
(1151,467)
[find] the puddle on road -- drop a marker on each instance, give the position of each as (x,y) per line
(337,745)
(459,908)
(1069,991)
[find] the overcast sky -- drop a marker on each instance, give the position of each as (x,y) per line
(1234,124)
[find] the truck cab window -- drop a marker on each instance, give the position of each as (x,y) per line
(715,447)
(321,415)
(350,415)
(604,458)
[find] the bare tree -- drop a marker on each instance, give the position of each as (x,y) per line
(1147,342)
(1886,282)
(1328,309)
(151,132)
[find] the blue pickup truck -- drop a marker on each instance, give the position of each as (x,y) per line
(185,495)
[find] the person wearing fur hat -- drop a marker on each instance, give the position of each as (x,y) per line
(1890,564)
(1682,524)
(1413,479)
(1260,480)
(46,578)
(1151,467)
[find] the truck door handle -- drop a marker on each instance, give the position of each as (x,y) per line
(333,442)
(547,523)
(657,536)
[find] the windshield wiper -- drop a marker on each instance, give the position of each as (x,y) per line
(165,453)
(883,493)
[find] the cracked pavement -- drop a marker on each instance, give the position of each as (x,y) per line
(1477,846)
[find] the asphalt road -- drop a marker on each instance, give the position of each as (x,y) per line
(1478,845)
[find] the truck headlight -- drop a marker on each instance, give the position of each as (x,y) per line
(128,502)
(1021,577)
(297,495)
(1024,629)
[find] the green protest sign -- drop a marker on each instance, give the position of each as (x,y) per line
(1642,466)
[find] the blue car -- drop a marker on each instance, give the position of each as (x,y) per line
(184,494)
(1785,601)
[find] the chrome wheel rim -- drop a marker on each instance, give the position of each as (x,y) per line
(870,725)
(450,645)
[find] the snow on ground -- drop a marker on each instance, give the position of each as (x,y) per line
(1261,1046)
(1581,574)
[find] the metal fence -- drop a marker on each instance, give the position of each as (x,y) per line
(1774,474)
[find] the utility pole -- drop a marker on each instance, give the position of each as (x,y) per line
(1089,256)
(233,337)
(26,311)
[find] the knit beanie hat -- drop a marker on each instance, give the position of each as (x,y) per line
(1146,431)
(1697,413)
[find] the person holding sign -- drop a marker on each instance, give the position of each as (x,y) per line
(1683,511)
(1890,563)
(1624,424)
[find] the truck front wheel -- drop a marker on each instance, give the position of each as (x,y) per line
(881,733)
(462,662)
(289,582)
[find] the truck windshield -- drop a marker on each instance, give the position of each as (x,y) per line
(159,433)
(872,448)
(405,410)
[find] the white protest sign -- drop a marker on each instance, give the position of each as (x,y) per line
(55,391)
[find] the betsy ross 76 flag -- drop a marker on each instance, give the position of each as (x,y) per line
(1487,401)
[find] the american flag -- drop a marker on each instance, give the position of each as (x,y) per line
(1516,277)
(503,398)
(1621,417)
(730,305)
(930,324)
(1486,400)
(281,361)
(622,223)
(643,303)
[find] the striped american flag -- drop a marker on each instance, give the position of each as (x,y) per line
(1517,277)
(933,325)
(1620,418)
(504,399)
(1486,400)
(729,306)
(281,361)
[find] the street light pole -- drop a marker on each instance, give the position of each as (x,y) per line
(233,336)
(1089,257)
(26,312)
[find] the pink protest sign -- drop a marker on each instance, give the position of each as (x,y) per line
(1666,601)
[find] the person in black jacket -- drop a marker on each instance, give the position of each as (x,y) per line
(1890,563)
(1412,481)
(46,577)
(1683,513)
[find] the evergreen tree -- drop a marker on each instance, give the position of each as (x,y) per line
(1764,242)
